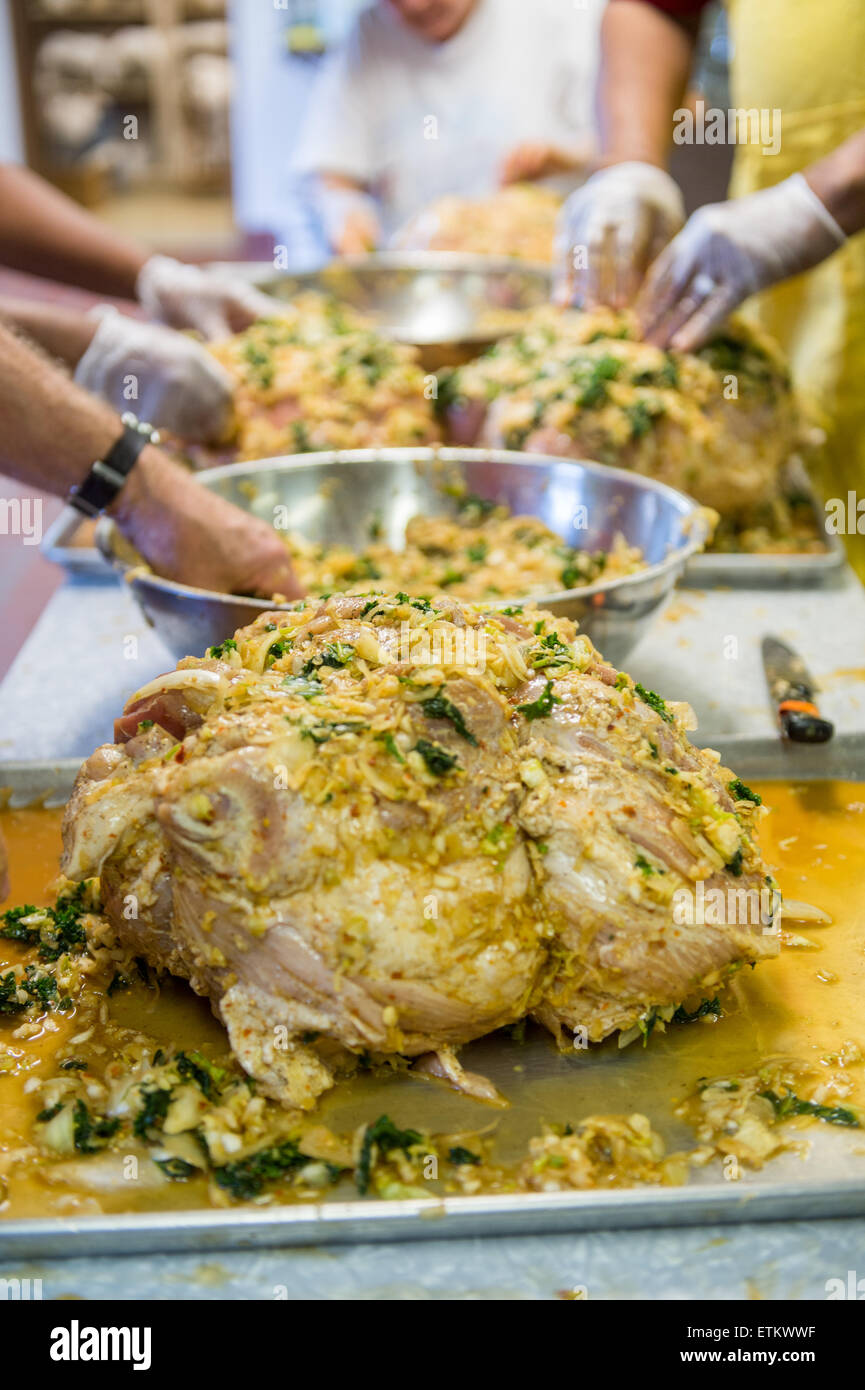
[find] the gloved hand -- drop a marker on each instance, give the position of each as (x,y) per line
(165,378)
(728,251)
(214,302)
(610,230)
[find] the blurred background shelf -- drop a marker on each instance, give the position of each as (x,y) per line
(117,97)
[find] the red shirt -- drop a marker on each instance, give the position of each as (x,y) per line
(678,9)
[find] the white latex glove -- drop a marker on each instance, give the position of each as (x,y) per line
(610,230)
(214,302)
(728,251)
(162,376)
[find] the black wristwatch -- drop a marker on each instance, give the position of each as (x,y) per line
(108,475)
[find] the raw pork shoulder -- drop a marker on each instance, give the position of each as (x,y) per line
(385,826)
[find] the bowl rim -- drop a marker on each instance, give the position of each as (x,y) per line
(468,262)
(688,509)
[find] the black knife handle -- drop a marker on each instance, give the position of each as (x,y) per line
(803,726)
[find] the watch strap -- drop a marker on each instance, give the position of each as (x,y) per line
(108,475)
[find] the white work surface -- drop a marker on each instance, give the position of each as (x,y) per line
(91,648)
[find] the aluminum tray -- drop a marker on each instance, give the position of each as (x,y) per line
(57,547)
(831,1183)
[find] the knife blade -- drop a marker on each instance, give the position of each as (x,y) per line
(792,689)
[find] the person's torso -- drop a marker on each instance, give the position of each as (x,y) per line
(448,114)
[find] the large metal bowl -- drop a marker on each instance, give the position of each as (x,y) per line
(335,496)
(428,298)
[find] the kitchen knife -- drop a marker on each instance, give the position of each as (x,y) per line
(792,690)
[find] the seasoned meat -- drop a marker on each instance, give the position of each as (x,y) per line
(721,424)
(385,826)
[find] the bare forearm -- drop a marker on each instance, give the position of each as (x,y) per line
(839,182)
(52,430)
(44,232)
(645,63)
(64,334)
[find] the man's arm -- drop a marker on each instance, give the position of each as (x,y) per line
(839,182)
(646,57)
(614,226)
(65,334)
(53,432)
(45,233)
(729,251)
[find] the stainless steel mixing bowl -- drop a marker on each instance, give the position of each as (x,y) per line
(429,298)
(336,496)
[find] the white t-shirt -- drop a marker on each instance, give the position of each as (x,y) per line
(414,120)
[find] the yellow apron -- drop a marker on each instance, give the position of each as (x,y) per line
(807,59)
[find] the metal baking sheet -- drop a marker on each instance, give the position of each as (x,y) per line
(831,1184)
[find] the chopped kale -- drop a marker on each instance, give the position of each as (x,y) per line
(740,792)
(390,744)
(87,1128)
(604,370)
(336,654)
(551,651)
(322,731)
(438,759)
(438,706)
(641,419)
(154,1108)
(542,706)
(654,702)
(277,649)
(380,1138)
(60,933)
(460,1155)
(451,576)
(473,508)
(208,1077)
(39,989)
(247,1177)
(177,1169)
(708,1008)
(790,1104)
(735,864)
(229,645)
(300,436)
(13,928)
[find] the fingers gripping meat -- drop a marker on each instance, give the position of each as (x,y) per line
(385,826)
